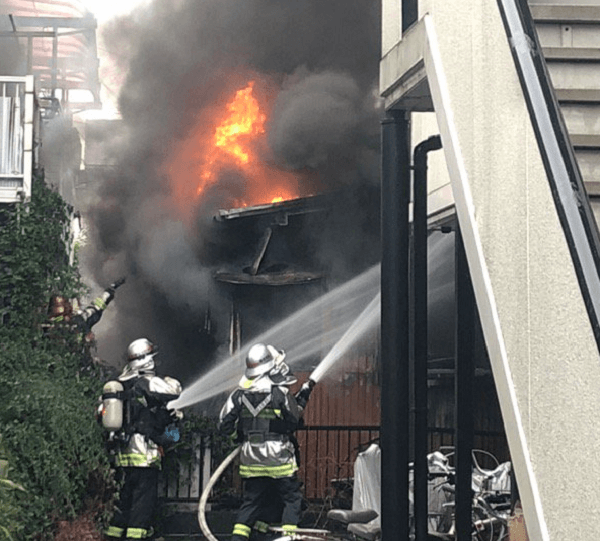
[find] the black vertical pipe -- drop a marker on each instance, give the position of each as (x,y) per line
(420,333)
(410,13)
(464,375)
(395,195)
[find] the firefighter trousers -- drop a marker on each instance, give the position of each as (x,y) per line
(257,491)
(135,510)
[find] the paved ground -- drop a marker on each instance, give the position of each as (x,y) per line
(185,527)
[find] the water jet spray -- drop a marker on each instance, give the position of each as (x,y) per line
(367,320)
(301,335)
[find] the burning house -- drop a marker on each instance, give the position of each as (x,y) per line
(270,272)
(153,218)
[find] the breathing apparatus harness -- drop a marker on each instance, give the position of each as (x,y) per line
(126,410)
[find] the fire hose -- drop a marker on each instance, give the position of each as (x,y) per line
(204,498)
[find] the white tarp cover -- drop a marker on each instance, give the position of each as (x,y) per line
(367,490)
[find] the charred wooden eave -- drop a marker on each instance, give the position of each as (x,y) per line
(269,218)
(279,212)
(269,279)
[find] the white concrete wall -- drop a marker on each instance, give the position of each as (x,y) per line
(391,25)
(545,360)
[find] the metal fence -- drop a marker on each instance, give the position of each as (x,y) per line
(183,482)
(327,456)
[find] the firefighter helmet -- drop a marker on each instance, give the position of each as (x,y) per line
(261,359)
(140,357)
(59,306)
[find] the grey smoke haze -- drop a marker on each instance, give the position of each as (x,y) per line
(314,61)
(314,118)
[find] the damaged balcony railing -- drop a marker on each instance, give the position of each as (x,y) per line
(17,113)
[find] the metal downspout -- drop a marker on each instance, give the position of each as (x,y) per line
(420,333)
(395,196)
(463,390)
(410,13)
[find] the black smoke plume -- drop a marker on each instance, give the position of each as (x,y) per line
(316,61)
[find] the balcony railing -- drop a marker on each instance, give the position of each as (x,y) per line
(17,114)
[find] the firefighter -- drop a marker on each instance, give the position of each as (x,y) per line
(263,414)
(61,314)
(137,441)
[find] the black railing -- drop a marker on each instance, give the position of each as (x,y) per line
(183,479)
(327,456)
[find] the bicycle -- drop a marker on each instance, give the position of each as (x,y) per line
(491,499)
(491,507)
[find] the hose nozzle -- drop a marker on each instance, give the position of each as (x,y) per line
(304,393)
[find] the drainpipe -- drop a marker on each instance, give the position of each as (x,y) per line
(395,198)
(410,13)
(463,388)
(420,332)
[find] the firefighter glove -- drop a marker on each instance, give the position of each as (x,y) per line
(176,415)
(304,393)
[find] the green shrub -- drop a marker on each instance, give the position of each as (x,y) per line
(9,524)
(49,385)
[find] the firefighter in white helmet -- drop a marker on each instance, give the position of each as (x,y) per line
(263,414)
(147,426)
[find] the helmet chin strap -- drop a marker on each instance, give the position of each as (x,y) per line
(129,372)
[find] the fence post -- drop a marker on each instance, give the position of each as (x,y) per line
(206,466)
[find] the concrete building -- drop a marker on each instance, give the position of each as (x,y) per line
(48,73)
(514,93)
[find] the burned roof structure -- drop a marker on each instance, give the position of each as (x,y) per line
(275,258)
(270,248)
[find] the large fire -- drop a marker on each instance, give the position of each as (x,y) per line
(244,119)
(233,141)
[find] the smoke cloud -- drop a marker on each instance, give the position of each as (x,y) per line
(315,66)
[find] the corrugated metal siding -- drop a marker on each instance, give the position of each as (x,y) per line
(342,416)
(349,397)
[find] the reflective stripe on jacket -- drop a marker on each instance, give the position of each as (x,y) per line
(264,415)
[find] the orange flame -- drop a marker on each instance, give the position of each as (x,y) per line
(231,136)
(245,119)
(237,141)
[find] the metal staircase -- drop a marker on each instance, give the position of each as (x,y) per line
(570,39)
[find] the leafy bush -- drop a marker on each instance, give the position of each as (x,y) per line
(49,385)
(8,506)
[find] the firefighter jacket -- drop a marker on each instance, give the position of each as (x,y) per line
(83,320)
(264,415)
(146,418)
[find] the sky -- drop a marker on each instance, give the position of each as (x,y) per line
(105,10)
